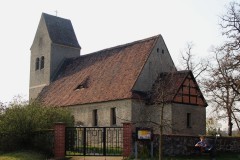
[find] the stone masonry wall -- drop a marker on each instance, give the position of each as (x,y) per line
(197,120)
(84,113)
(184,145)
(181,145)
(228,144)
(41,47)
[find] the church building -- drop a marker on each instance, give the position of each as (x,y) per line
(135,82)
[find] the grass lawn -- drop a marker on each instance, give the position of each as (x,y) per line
(22,155)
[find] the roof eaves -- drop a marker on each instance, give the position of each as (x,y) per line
(84,103)
(188,72)
(206,104)
(72,46)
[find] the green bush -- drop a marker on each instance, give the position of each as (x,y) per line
(43,141)
(20,122)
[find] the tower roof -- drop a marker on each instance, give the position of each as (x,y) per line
(60,30)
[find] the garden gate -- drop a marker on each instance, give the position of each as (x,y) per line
(94,141)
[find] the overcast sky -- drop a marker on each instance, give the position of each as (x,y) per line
(100,24)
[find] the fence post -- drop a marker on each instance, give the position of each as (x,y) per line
(127,139)
(59,140)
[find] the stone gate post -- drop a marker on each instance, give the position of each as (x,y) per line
(127,139)
(59,140)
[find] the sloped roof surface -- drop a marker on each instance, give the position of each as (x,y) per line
(61,30)
(178,87)
(101,76)
(167,85)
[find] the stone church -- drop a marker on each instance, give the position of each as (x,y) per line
(135,82)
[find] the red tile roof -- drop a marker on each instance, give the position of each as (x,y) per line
(101,76)
(167,85)
(167,89)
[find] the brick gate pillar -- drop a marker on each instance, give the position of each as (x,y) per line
(59,140)
(127,139)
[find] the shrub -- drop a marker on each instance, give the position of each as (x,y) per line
(20,122)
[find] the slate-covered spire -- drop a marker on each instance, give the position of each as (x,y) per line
(54,42)
(61,30)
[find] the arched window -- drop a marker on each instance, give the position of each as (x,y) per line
(42,62)
(37,64)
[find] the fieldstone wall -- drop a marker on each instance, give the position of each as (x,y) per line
(228,144)
(179,145)
(184,145)
(175,145)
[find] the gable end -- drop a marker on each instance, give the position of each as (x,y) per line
(189,92)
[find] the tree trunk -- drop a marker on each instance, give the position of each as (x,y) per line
(229,111)
(160,145)
(230,124)
(236,121)
(160,134)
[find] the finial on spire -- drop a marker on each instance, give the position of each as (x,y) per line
(56,12)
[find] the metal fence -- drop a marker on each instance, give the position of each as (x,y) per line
(94,141)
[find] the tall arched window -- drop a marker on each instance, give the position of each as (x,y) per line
(42,62)
(37,64)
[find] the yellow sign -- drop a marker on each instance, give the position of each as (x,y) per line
(144,134)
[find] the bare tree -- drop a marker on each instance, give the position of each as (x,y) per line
(155,114)
(230,24)
(188,61)
(161,95)
(218,86)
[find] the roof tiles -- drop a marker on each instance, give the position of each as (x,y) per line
(179,87)
(101,76)
(167,85)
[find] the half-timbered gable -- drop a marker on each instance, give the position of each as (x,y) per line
(189,92)
(180,96)
(177,87)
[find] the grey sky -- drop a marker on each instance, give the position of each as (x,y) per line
(103,24)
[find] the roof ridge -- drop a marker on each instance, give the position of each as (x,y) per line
(176,72)
(46,14)
(122,45)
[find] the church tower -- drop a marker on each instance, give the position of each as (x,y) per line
(54,42)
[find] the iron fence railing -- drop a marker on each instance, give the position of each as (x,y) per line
(92,141)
